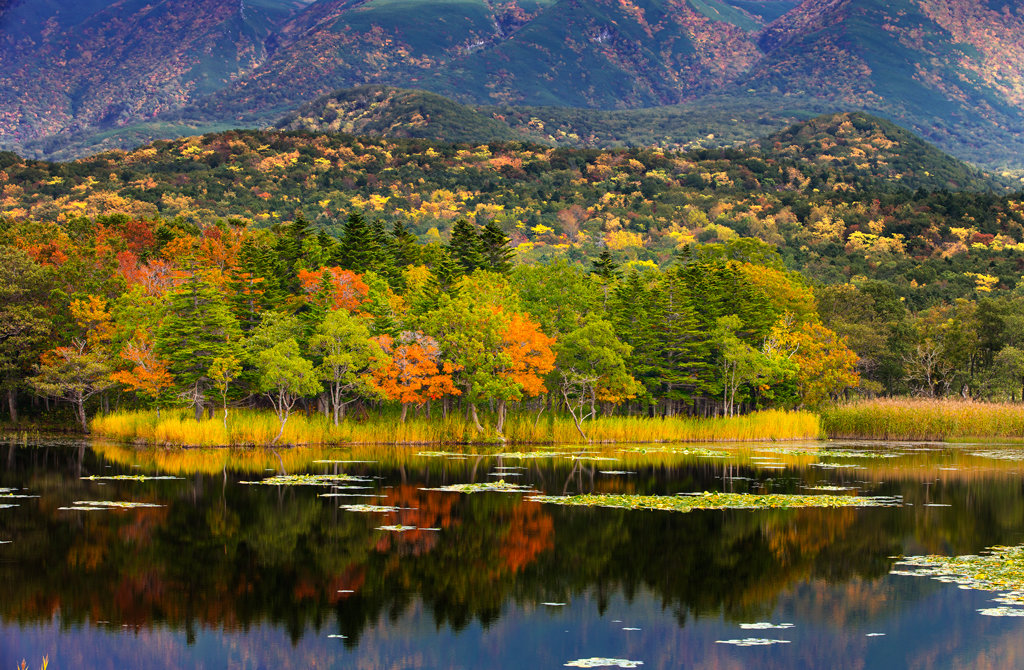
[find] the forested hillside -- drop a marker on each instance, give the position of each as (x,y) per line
(102,75)
(629,281)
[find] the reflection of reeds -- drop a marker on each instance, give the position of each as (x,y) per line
(922,419)
(259,428)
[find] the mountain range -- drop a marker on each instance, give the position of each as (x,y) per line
(100,74)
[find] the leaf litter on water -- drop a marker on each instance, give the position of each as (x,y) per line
(706,500)
(370,508)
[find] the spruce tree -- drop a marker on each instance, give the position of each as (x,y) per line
(604,267)
(384,263)
(405,249)
(495,248)
(465,248)
(356,249)
(198,328)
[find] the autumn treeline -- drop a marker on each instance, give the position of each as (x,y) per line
(121,312)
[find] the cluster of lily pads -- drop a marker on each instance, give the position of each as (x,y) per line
(308,480)
(500,486)
(596,662)
(97,505)
(999,569)
(706,500)
(128,478)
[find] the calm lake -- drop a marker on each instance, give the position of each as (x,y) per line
(217,573)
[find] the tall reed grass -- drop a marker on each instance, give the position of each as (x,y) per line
(925,419)
(254,428)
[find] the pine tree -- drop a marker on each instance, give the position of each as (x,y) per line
(465,248)
(495,248)
(198,328)
(356,249)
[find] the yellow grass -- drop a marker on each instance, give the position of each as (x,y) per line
(253,428)
(923,419)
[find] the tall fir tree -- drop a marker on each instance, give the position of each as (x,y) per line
(356,249)
(197,329)
(494,245)
(465,248)
(603,266)
(405,248)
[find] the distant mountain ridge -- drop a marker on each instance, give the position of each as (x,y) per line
(951,70)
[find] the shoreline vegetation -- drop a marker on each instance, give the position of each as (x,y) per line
(255,428)
(923,419)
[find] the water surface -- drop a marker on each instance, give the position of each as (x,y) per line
(222,574)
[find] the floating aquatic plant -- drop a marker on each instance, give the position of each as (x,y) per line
(603,663)
(500,486)
(308,480)
(129,478)
(998,569)
(764,625)
(680,451)
(94,505)
(399,528)
(687,502)
(752,642)
(7,506)
(554,604)
(1001,611)
(370,508)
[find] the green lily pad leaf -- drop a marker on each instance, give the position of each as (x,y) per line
(691,501)
(499,486)
(308,480)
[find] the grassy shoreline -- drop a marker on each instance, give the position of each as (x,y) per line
(921,419)
(253,428)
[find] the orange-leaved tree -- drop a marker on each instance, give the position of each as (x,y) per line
(413,371)
(333,288)
(148,375)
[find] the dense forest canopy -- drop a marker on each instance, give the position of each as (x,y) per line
(308,270)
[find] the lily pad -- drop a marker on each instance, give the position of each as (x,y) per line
(128,478)
(596,662)
(500,486)
(92,505)
(999,569)
(370,508)
(308,480)
(752,642)
(687,502)
(764,625)
(397,529)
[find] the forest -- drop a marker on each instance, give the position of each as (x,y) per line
(338,276)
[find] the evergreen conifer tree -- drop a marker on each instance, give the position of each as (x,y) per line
(495,249)
(465,248)
(356,249)
(405,249)
(198,328)
(604,266)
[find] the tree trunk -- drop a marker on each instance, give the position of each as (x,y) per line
(405,410)
(80,410)
(12,403)
(501,416)
(476,418)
